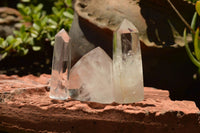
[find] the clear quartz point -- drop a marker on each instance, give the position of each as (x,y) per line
(92,75)
(127,64)
(60,66)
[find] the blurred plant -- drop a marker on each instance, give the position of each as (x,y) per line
(42,28)
(195,54)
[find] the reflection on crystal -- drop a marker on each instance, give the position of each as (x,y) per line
(93,75)
(127,64)
(60,64)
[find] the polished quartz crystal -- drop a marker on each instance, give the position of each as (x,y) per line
(127,64)
(92,75)
(60,64)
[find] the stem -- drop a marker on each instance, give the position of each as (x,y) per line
(194,61)
(181,17)
(192,58)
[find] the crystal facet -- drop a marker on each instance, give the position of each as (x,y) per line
(127,64)
(93,77)
(60,65)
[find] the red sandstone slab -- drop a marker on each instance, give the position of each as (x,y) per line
(25,106)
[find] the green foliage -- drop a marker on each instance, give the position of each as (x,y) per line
(190,54)
(197,6)
(41,29)
(195,55)
(197,45)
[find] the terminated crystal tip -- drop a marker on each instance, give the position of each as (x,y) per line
(63,34)
(126,27)
(60,65)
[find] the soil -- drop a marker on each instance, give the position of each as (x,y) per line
(35,63)
(26,107)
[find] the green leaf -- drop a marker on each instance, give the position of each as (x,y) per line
(23,29)
(27,10)
(55,11)
(27,19)
(68,15)
(24,50)
(197,6)
(194,19)
(70,10)
(3,55)
(52,43)
(44,21)
(53,26)
(38,8)
(49,36)
(61,12)
(9,38)
(1,40)
(69,3)
(197,44)
(194,61)
(18,41)
(10,46)
(34,33)
(36,48)
(25,0)
(25,37)
(36,16)
(51,21)
(30,41)
(4,44)
(16,33)
(193,23)
(36,26)
(20,6)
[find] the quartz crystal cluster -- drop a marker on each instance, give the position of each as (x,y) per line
(96,77)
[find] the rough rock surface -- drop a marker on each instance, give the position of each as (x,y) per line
(25,106)
(9,21)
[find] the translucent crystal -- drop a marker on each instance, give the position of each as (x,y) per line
(60,64)
(92,75)
(127,64)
